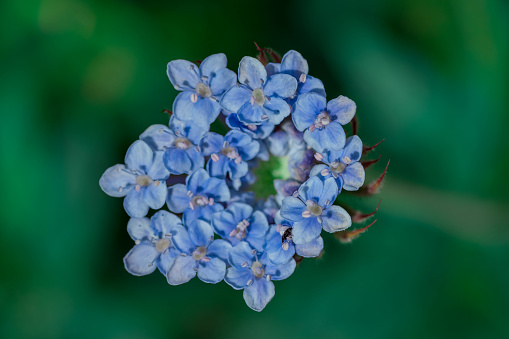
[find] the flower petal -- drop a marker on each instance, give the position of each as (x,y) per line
(313,85)
(165,222)
(258,295)
(166,260)
(212,271)
(188,129)
(307,107)
(212,64)
(211,143)
(196,180)
(336,219)
(311,190)
(158,137)
(158,170)
(221,81)
(139,156)
(341,109)
(139,229)
(257,230)
(177,161)
(117,181)
(353,177)
(306,230)
(177,199)
(219,168)
(353,148)
(200,233)
(223,223)
(294,64)
(203,112)
(135,205)
(281,272)
(219,248)
(217,189)
(141,259)
(272,68)
(181,240)
(184,75)
(240,211)
(277,109)
(331,137)
(311,249)
(279,143)
(238,277)
(203,213)
(241,254)
(281,85)
(251,113)
(155,196)
(329,192)
(292,209)
(252,73)
(234,98)
(237,171)
(182,271)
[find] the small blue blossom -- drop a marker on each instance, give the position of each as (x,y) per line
(280,247)
(239,223)
(259,98)
(295,65)
(322,121)
(142,180)
(199,198)
(312,210)
(343,165)
(202,87)
(261,131)
(179,143)
(200,255)
(154,246)
(253,272)
(285,188)
(229,154)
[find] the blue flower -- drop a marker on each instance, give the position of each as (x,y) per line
(280,247)
(199,198)
(229,154)
(154,246)
(179,142)
(239,223)
(142,180)
(261,131)
(253,272)
(322,121)
(200,254)
(313,209)
(202,87)
(285,188)
(343,165)
(295,65)
(259,98)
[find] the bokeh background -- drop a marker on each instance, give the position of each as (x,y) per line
(80,80)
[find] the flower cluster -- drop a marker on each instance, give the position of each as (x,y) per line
(215,228)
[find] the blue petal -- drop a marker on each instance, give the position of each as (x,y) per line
(281,272)
(307,107)
(203,213)
(277,109)
(254,131)
(313,85)
(234,98)
(219,248)
(203,112)
(117,181)
(177,161)
(196,180)
(240,211)
(213,271)
(212,64)
(238,277)
(341,109)
(274,248)
(331,137)
(166,260)
(251,113)
(177,199)
(257,230)
(272,68)
(317,169)
(158,170)
(217,189)
(306,230)
(311,249)
(135,205)
(294,64)
(141,259)
(292,209)
(329,193)
(165,222)
(184,75)
(258,295)
(197,159)
(353,177)
(224,222)
(279,143)
(158,137)
(241,254)
(181,240)
(353,149)
(311,190)
(222,81)
(211,143)
(188,129)
(139,156)
(155,196)
(139,229)
(182,271)
(237,171)
(335,219)
(201,233)
(252,73)
(282,85)
(219,168)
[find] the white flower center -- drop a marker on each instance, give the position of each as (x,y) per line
(203,90)
(257,269)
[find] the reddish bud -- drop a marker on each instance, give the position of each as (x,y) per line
(358,216)
(197,62)
(262,55)
(366,149)
(274,55)
(373,187)
(355,126)
(167,111)
(368,163)
(346,237)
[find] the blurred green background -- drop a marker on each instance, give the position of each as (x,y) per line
(80,80)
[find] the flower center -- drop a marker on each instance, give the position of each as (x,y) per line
(258,97)
(337,166)
(199,253)
(230,152)
(182,143)
(241,230)
(257,269)
(200,200)
(143,180)
(314,208)
(162,244)
(322,120)
(203,90)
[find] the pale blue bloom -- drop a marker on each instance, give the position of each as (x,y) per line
(142,180)
(253,272)
(312,210)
